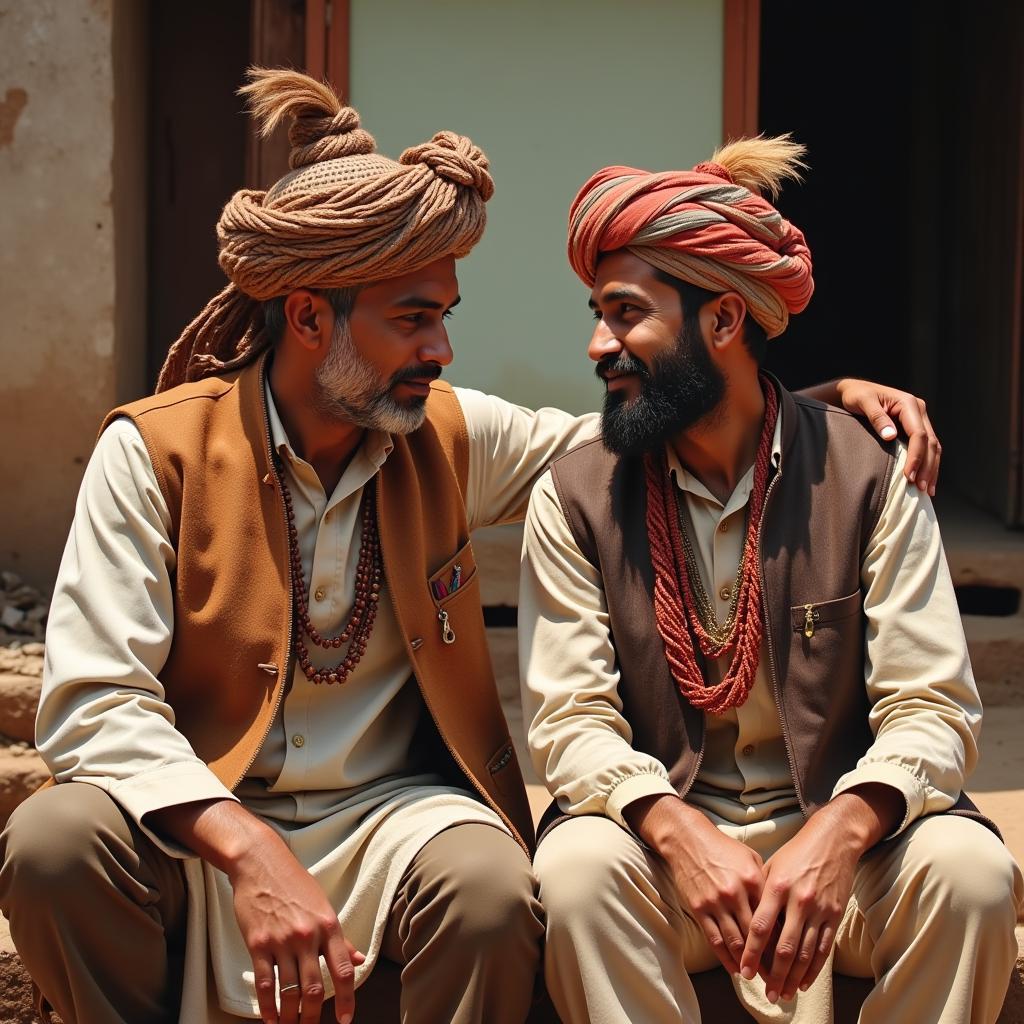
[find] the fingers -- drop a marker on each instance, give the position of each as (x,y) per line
(801,962)
(339,956)
(725,920)
(929,475)
(760,932)
(289,988)
(266,987)
(726,940)
(312,992)
(880,419)
(924,451)
(785,954)
(825,939)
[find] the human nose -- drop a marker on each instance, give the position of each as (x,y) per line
(437,349)
(603,342)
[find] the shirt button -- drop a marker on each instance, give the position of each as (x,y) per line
(319,593)
(725,593)
(748,750)
(723,527)
(298,740)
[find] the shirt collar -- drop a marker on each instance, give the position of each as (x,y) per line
(686,481)
(376,446)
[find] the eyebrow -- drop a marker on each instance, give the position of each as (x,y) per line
(615,295)
(420,302)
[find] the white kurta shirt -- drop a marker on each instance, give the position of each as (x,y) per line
(338,777)
(925,709)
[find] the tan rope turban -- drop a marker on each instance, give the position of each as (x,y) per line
(709,226)
(344,216)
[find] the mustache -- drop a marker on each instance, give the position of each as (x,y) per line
(423,371)
(621,363)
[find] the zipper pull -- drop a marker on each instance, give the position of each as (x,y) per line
(808,620)
(447,633)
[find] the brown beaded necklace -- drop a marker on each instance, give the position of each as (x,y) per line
(369,574)
(678,610)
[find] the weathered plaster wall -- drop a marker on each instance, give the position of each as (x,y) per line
(59,334)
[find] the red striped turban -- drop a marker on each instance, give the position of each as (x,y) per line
(698,226)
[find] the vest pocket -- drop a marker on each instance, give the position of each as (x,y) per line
(447,584)
(498,767)
(813,616)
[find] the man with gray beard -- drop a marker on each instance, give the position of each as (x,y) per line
(268,704)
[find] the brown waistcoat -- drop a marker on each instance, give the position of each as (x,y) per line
(821,507)
(233,646)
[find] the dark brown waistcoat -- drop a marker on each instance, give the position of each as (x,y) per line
(822,505)
(234,622)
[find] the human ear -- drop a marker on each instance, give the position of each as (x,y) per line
(309,318)
(729,310)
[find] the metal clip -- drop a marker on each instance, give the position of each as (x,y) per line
(447,633)
(809,618)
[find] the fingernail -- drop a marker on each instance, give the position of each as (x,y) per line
(773,997)
(888,433)
(922,485)
(931,491)
(748,973)
(804,987)
(347,1019)
(912,475)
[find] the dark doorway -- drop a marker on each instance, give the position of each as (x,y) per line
(202,147)
(197,141)
(913,115)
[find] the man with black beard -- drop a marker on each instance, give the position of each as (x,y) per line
(683,386)
(743,670)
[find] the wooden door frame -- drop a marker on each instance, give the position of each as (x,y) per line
(741,68)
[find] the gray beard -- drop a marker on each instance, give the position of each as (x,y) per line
(347,388)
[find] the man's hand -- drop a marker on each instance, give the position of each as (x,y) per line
(880,405)
(807,886)
(287,923)
(717,878)
(285,919)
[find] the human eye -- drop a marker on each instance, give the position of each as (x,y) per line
(448,314)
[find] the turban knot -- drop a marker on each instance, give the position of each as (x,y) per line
(454,158)
(343,217)
(314,137)
(699,226)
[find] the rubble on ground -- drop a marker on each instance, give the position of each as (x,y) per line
(23,611)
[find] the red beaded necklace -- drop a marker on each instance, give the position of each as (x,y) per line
(369,573)
(676,609)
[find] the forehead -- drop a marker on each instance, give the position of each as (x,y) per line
(436,282)
(621,269)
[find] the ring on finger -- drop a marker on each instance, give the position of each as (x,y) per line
(289,988)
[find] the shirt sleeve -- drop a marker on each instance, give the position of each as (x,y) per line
(925,709)
(103,717)
(579,740)
(509,448)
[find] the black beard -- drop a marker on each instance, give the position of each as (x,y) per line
(682,387)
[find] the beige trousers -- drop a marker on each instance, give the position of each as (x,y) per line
(97,913)
(931,919)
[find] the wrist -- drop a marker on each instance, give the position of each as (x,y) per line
(221,832)
(664,822)
(864,815)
